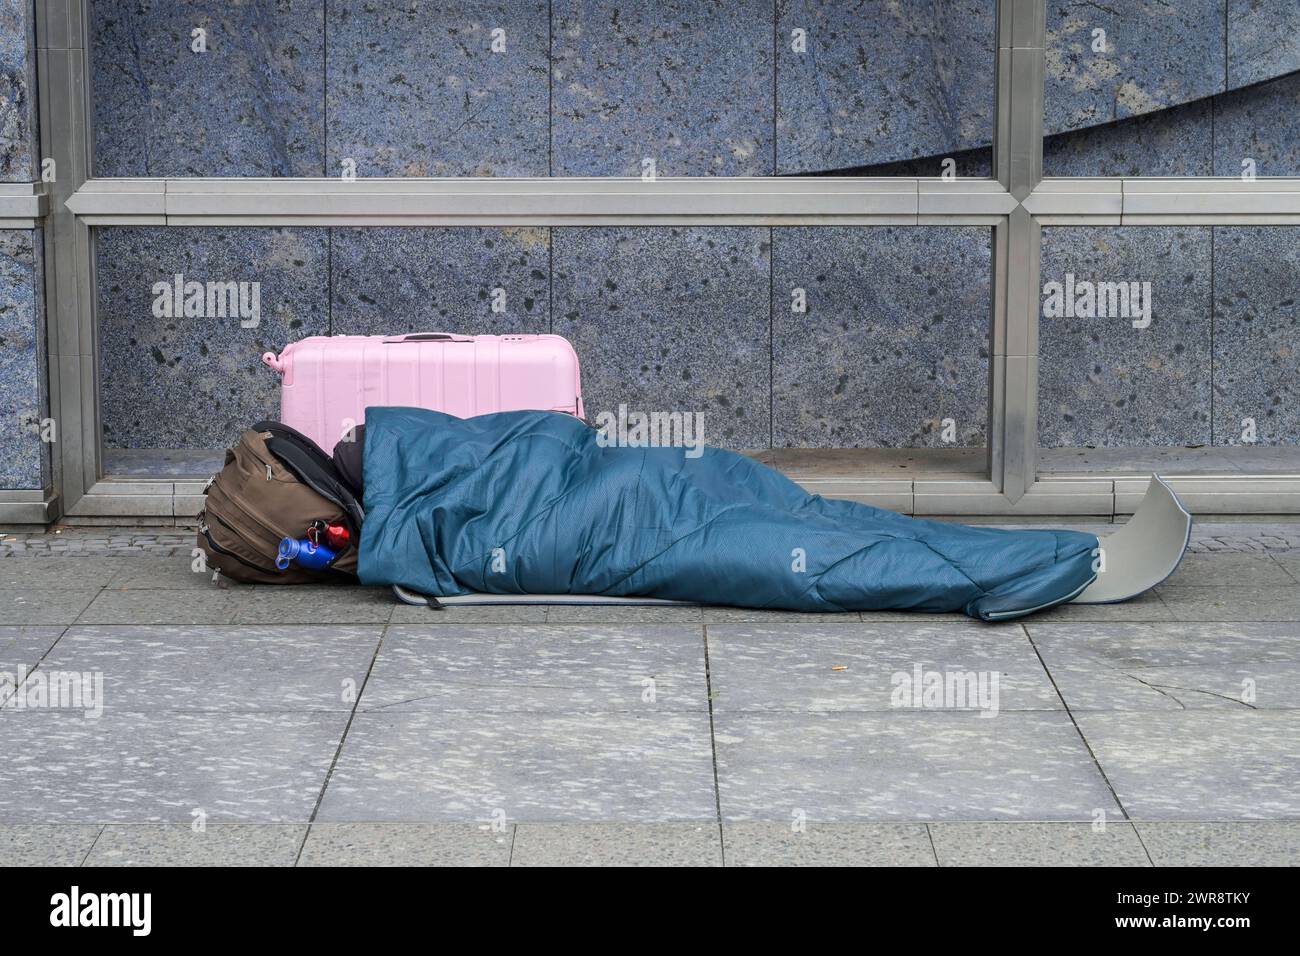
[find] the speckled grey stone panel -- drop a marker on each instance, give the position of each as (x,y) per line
(198,382)
(407,844)
(222,844)
(827,844)
(419,90)
(458,767)
(1222,844)
(1141,667)
(221,668)
(670,320)
(1037,844)
(1157,54)
(1262,124)
(756,668)
(18,139)
(687,83)
(1263,40)
(1257,335)
(905,766)
(882,81)
(894,339)
(617,844)
(387,281)
(642,669)
(24,458)
(1200,764)
(61,767)
(1104,382)
(42,845)
(1177,141)
(253,104)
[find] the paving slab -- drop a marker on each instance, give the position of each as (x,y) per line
(461,767)
(46,844)
(1231,603)
(158,573)
(160,767)
(1200,764)
(406,844)
(1037,844)
(220,668)
(873,667)
(312,605)
(1289,562)
(213,606)
(906,766)
(827,844)
(77,574)
(1144,607)
(617,844)
(1222,844)
(1222,570)
(623,614)
(1157,666)
(616,668)
(732,615)
(44,606)
(220,844)
(23,646)
(484,614)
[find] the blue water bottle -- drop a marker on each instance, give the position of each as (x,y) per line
(313,557)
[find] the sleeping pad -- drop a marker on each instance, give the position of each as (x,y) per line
(532,503)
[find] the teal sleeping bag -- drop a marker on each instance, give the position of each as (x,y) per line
(532,503)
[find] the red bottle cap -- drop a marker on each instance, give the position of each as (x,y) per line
(337,536)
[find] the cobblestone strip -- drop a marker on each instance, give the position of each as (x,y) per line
(73,542)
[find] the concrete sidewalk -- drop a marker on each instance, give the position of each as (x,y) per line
(331,725)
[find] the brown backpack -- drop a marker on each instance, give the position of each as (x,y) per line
(275,483)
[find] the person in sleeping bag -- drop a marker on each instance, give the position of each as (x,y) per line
(537,503)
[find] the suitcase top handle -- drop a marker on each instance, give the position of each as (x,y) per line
(428,337)
(271,360)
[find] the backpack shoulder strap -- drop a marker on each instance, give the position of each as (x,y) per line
(320,476)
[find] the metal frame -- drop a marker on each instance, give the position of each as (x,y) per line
(1016,204)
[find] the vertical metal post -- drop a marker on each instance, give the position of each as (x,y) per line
(62,84)
(1018,151)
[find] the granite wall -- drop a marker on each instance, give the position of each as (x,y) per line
(18,128)
(704,87)
(24,405)
(675,319)
(892,341)
(1219,361)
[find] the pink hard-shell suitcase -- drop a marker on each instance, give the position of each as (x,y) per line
(329,380)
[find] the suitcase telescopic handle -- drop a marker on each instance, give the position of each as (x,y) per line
(428,337)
